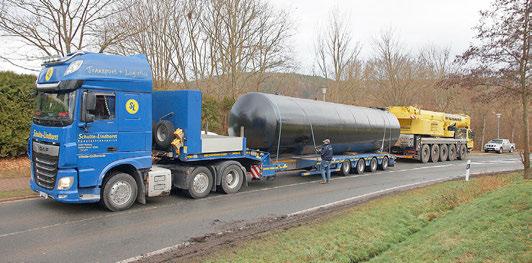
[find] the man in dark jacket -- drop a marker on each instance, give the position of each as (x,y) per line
(326,153)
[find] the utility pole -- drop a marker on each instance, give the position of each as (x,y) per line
(498,118)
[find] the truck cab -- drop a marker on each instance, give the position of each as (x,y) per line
(89,108)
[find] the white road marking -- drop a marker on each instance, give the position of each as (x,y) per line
(376,193)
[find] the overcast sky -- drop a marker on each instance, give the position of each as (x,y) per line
(418,23)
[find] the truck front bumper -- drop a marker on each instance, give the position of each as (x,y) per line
(74,195)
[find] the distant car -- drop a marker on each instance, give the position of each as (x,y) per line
(499,146)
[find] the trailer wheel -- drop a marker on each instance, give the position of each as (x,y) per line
(434,153)
(200,182)
(452,153)
(462,152)
(361,166)
(444,152)
(425,153)
(346,168)
(372,165)
(384,163)
(119,192)
(164,134)
(232,178)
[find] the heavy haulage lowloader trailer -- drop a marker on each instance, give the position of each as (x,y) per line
(432,136)
(100,134)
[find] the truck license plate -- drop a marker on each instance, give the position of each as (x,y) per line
(43,195)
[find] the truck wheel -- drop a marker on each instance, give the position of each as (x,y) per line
(511,149)
(346,168)
(462,152)
(444,152)
(200,182)
(499,151)
(361,166)
(452,153)
(384,164)
(232,178)
(372,165)
(434,153)
(425,153)
(119,192)
(164,134)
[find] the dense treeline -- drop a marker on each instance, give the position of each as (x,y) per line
(16,108)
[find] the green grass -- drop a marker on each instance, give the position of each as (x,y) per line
(15,193)
(481,220)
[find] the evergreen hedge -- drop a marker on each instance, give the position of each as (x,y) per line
(16,109)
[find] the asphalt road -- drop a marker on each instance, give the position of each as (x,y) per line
(39,230)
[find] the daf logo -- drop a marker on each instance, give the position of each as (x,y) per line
(43,149)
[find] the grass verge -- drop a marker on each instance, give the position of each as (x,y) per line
(485,219)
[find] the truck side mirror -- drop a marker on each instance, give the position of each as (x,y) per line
(89,104)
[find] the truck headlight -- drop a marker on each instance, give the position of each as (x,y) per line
(65,183)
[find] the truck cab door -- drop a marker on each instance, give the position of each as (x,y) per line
(97,137)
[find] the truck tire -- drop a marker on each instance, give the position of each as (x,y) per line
(119,192)
(361,166)
(372,165)
(500,150)
(434,153)
(425,153)
(345,169)
(462,152)
(444,152)
(452,153)
(164,134)
(232,177)
(384,163)
(200,182)
(511,150)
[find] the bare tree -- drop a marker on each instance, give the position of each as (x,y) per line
(246,38)
(335,50)
(392,72)
(500,57)
(61,27)
(153,22)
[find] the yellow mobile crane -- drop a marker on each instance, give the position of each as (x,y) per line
(432,136)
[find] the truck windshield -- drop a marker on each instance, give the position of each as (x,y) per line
(54,108)
(496,141)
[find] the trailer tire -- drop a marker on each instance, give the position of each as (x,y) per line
(425,153)
(200,182)
(119,192)
(232,177)
(373,164)
(361,166)
(345,169)
(434,153)
(462,152)
(444,152)
(384,163)
(452,152)
(164,134)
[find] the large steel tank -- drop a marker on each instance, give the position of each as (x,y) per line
(280,124)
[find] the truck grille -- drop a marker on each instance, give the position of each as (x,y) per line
(45,169)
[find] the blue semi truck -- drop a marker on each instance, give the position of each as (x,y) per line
(95,123)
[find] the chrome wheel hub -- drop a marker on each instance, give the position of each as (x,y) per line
(200,183)
(120,193)
(231,179)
